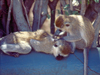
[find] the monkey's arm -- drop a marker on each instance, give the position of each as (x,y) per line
(73,38)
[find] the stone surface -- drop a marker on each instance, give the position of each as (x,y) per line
(45,64)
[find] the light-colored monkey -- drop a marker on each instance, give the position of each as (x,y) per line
(80,33)
(22,42)
(18,42)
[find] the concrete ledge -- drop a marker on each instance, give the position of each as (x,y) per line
(45,64)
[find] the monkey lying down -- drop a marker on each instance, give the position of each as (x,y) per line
(22,43)
(80,33)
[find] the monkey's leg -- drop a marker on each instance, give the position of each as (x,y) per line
(85,53)
(15,49)
(73,46)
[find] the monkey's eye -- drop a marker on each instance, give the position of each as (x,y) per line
(56,45)
(67,25)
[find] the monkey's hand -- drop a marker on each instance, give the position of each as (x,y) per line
(59,34)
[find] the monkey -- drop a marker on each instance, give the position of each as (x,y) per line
(80,33)
(22,42)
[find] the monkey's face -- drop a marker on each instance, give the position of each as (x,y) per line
(64,30)
(61,49)
(66,27)
(63,23)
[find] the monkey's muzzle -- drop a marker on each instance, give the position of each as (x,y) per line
(59,57)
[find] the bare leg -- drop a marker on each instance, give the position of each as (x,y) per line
(85,53)
(15,49)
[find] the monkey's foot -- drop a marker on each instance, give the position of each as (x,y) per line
(13,54)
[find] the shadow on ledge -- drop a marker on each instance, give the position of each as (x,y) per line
(45,64)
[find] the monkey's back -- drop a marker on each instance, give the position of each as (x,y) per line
(25,36)
(86,30)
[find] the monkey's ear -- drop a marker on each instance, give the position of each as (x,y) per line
(58,27)
(32,41)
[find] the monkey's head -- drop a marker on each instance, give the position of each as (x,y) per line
(62,22)
(62,49)
(58,48)
(65,23)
